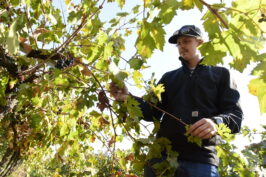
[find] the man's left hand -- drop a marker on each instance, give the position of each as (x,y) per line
(204,129)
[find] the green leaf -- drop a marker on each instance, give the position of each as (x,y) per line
(121,3)
(67,2)
(213,53)
(135,63)
(36,101)
(157,125)
(3,84)
(138,166)
(249,26)
(244,5)
(136,9)
(122,14)
(102,64)
(155,151)
(259,70)
(187,4)
(137,77)
(74,17)
(35,121)
(145,44)
(133,108)
(168,10)
(61,81)
(199,5)
(225,132)
(121,75)
(102,38)
(158,90)
(15,2)
(64,129)
(211,25)
(257,87)
(48,37)
(108,50)
(158,33)
(192,139)
(12,39)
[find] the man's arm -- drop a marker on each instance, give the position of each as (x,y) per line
(229,106)
(230,111)
(148,111)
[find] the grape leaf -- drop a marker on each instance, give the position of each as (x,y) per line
(135,63)
(191,138)
(137,77)
(133,108)
(121,3)
(12,41)
(257,87)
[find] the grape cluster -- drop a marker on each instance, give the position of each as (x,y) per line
(103,101)
(262,19)
(63,63)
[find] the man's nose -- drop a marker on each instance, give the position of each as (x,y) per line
(181,44)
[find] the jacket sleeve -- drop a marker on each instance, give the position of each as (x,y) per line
(150,112)
(229,106)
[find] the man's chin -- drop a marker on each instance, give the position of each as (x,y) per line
(184,56)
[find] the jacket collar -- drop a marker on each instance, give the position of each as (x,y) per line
(185,63)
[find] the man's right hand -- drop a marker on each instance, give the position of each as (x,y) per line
(120,94)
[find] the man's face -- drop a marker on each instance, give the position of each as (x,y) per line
(187,46)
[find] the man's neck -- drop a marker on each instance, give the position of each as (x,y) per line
(193,62)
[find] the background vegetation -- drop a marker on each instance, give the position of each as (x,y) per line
(56,67)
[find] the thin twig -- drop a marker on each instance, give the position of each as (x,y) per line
(26,14)
(61,6)
(215,12)
(169,114)
(146,127)
(163,111)
(120,27)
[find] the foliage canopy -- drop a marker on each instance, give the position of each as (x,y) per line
(56,64)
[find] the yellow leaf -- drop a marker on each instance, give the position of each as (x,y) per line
(188,4)
(147,1)
(12,41)
(257,87)
(158,90)
(137,78)
(121,3)
(67,2)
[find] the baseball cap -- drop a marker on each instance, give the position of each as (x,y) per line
(187,30)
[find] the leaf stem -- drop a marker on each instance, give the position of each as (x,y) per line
(215,12)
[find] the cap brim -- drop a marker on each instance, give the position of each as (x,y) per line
(173,39)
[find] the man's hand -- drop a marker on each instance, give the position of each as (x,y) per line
(120,94)
(204,129)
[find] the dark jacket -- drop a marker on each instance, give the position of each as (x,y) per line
(208,91)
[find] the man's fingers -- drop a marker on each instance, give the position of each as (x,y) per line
(204,129)
(196,125)
(120,94)
(114,89)
(208,135)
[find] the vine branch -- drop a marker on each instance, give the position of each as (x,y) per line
(215,13)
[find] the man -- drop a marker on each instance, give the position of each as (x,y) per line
(199,95)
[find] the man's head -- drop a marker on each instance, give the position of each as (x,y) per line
(187,39)
(187,30)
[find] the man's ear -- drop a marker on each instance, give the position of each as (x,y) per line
(200,41)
